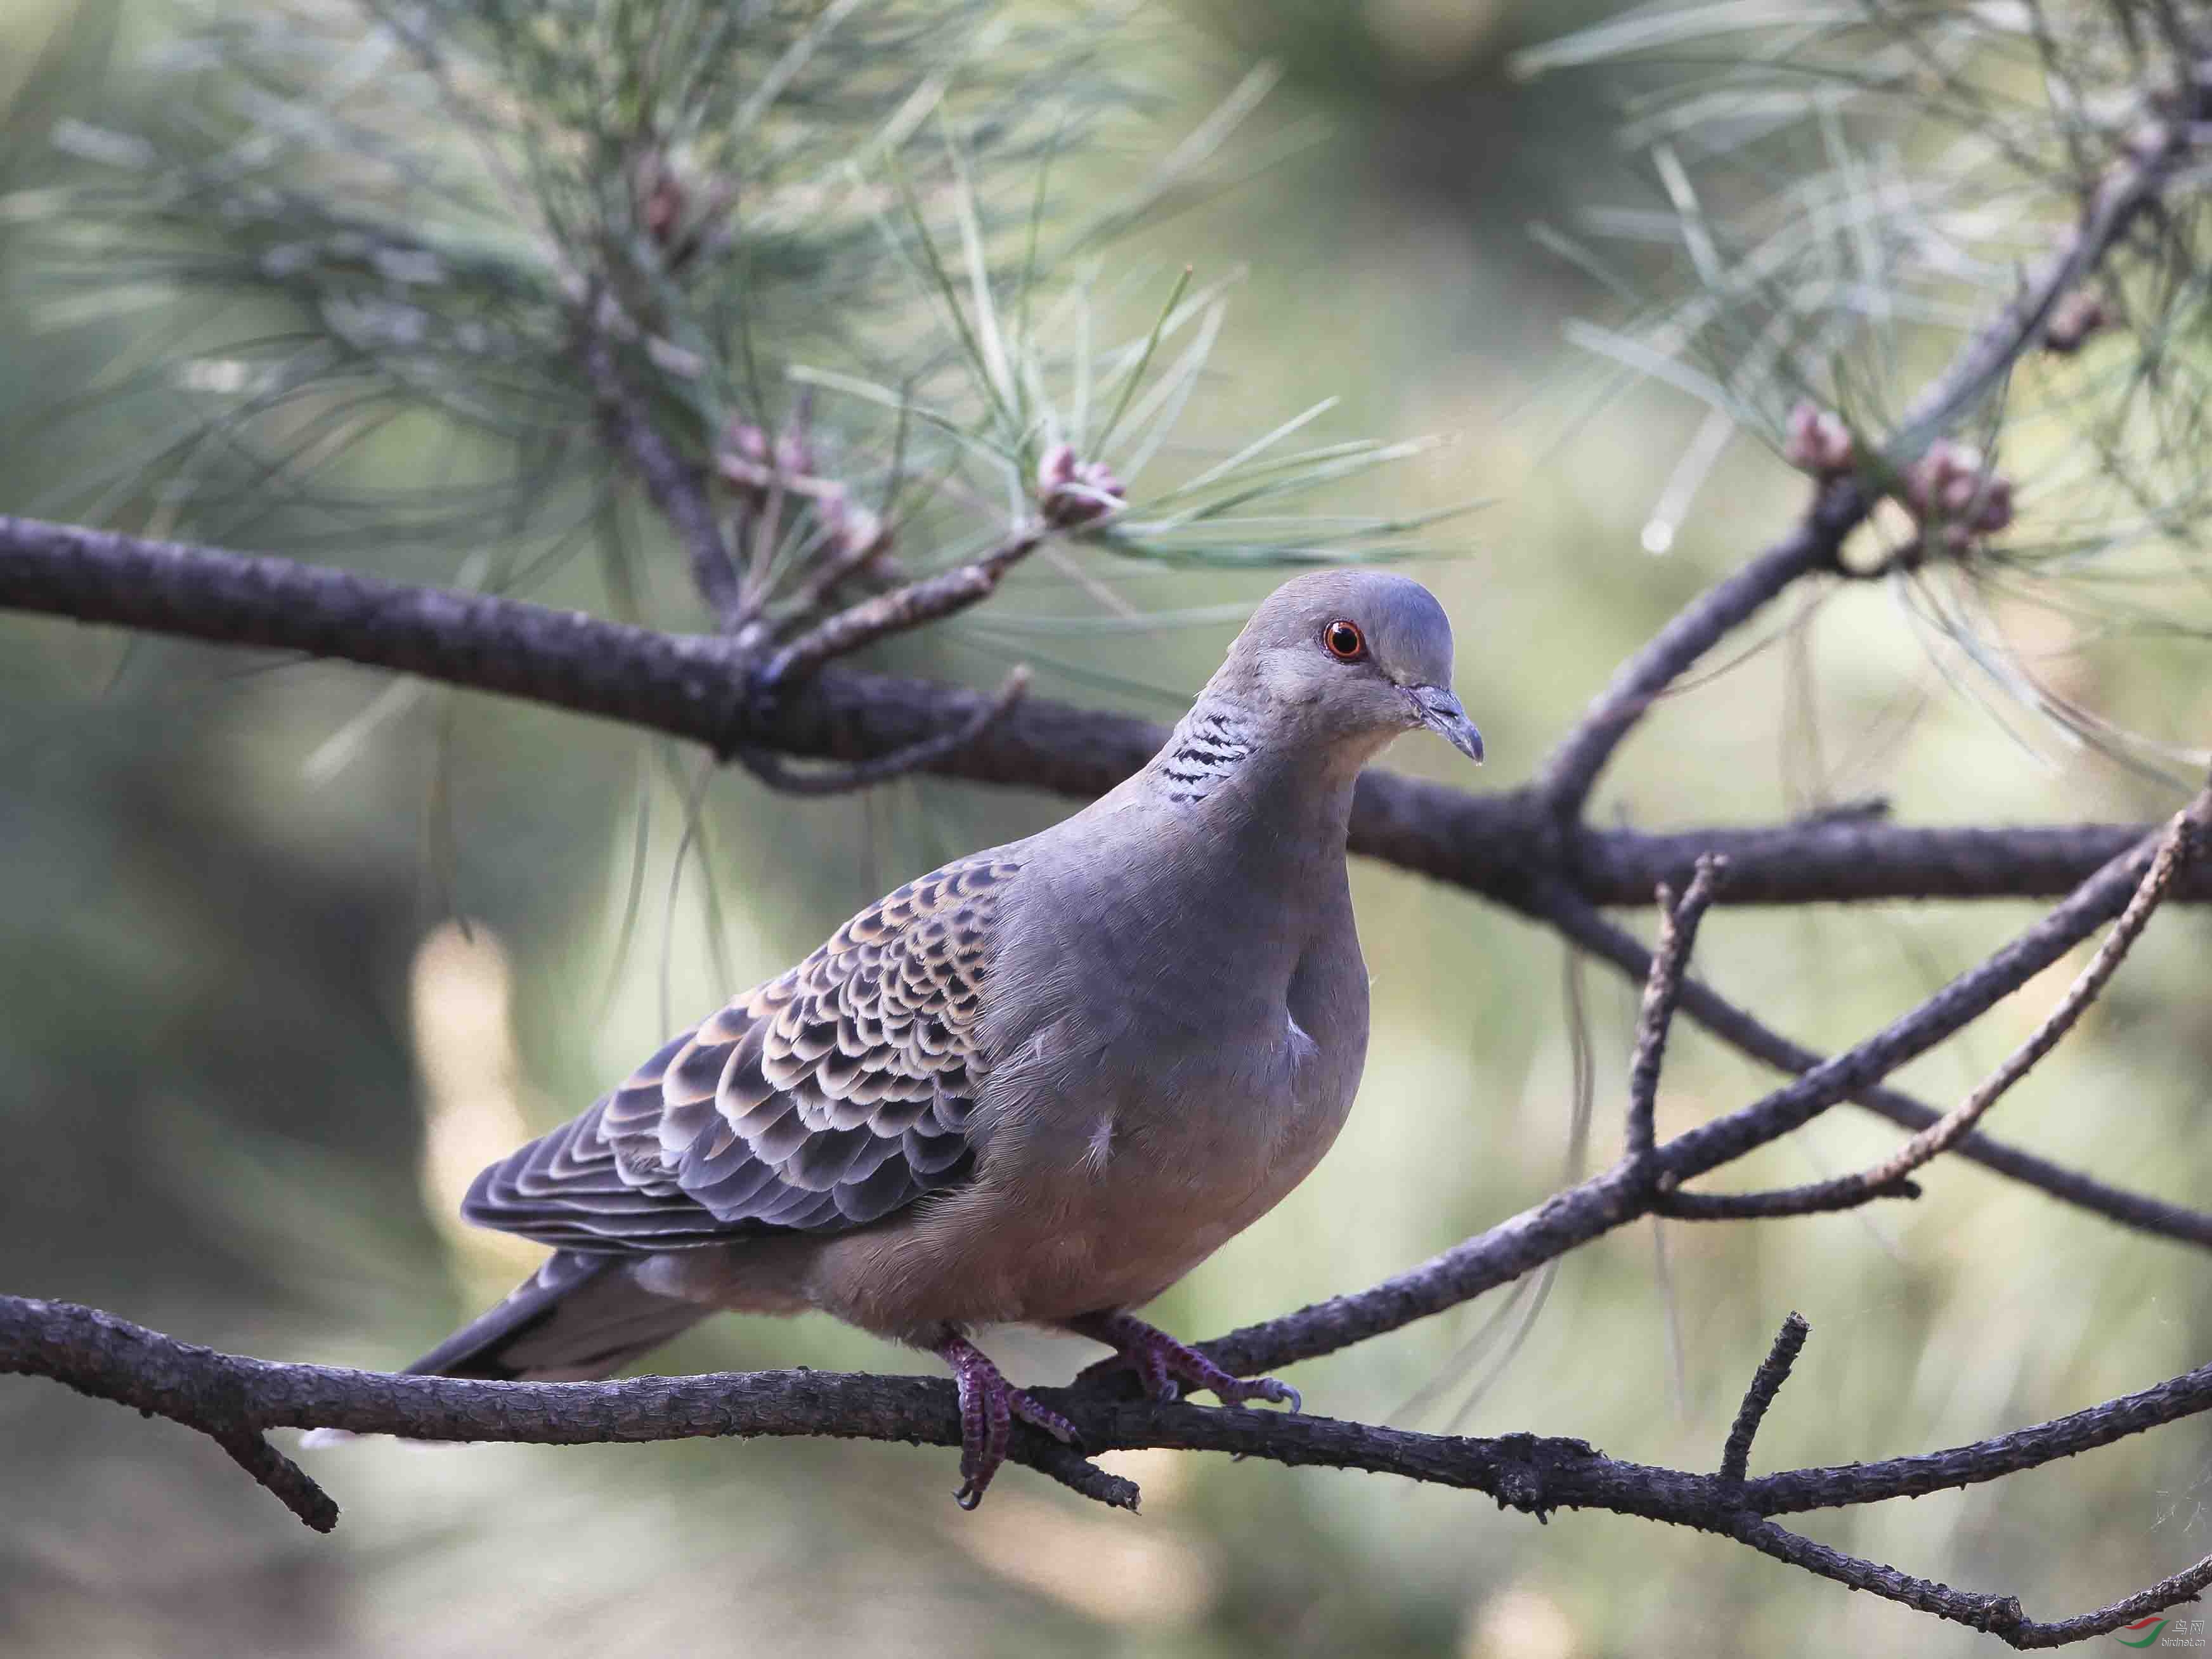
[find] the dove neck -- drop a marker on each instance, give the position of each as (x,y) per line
(1220,761)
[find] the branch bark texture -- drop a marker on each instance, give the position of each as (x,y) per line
(236,1400)
(693,687)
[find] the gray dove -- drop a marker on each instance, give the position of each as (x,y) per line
(1038,1086)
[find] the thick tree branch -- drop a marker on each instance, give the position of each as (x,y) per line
(692,687)
(777,773)
(236,1400)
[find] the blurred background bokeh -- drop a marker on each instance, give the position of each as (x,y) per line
(252,1058)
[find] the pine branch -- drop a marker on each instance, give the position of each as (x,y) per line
(236,1400)
(692,687)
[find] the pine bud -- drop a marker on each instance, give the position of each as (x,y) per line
(1816,440)
(1072,493)
(2078,316)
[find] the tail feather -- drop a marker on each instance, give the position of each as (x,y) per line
(578,1319)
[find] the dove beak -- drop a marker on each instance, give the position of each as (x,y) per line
(1441,713)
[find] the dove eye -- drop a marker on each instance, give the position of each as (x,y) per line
(1344,641)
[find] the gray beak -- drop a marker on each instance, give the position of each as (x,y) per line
(1441,713)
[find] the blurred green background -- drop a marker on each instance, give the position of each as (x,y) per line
(250,1061)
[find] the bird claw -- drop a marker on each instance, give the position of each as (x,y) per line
(1161,1363)
(988,1406)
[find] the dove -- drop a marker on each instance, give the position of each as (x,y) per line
(1036,1086)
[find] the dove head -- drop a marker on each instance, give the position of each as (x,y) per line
(1343,660)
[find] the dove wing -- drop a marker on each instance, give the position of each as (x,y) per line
(824,1099)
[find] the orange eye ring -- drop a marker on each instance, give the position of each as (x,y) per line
(1343,640)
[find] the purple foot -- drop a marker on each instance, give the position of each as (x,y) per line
(1162,1363)
(988,1406)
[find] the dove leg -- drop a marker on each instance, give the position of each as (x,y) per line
(1161,1362)
(988,1406)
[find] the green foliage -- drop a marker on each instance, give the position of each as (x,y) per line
(429,212)
(1846,196)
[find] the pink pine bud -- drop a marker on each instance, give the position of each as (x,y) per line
(1816,440)
(1056,468)
(1073,493)
(2078,316)
(1996,506)
(1919,485)
(1957,496)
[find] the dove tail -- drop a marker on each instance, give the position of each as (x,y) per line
(577,1319)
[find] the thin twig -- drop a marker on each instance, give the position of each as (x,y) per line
(898,610)
(2142,874)
(759,477)
(1774,1203)
(1662,991)
(2174,851)
(1767,1383)
(843,563)
(1580,922)
(676,489)
(1568,775)
(774,770)
(291,1486)
(1999,1615)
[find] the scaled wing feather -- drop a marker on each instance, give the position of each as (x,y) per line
(824,1099)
